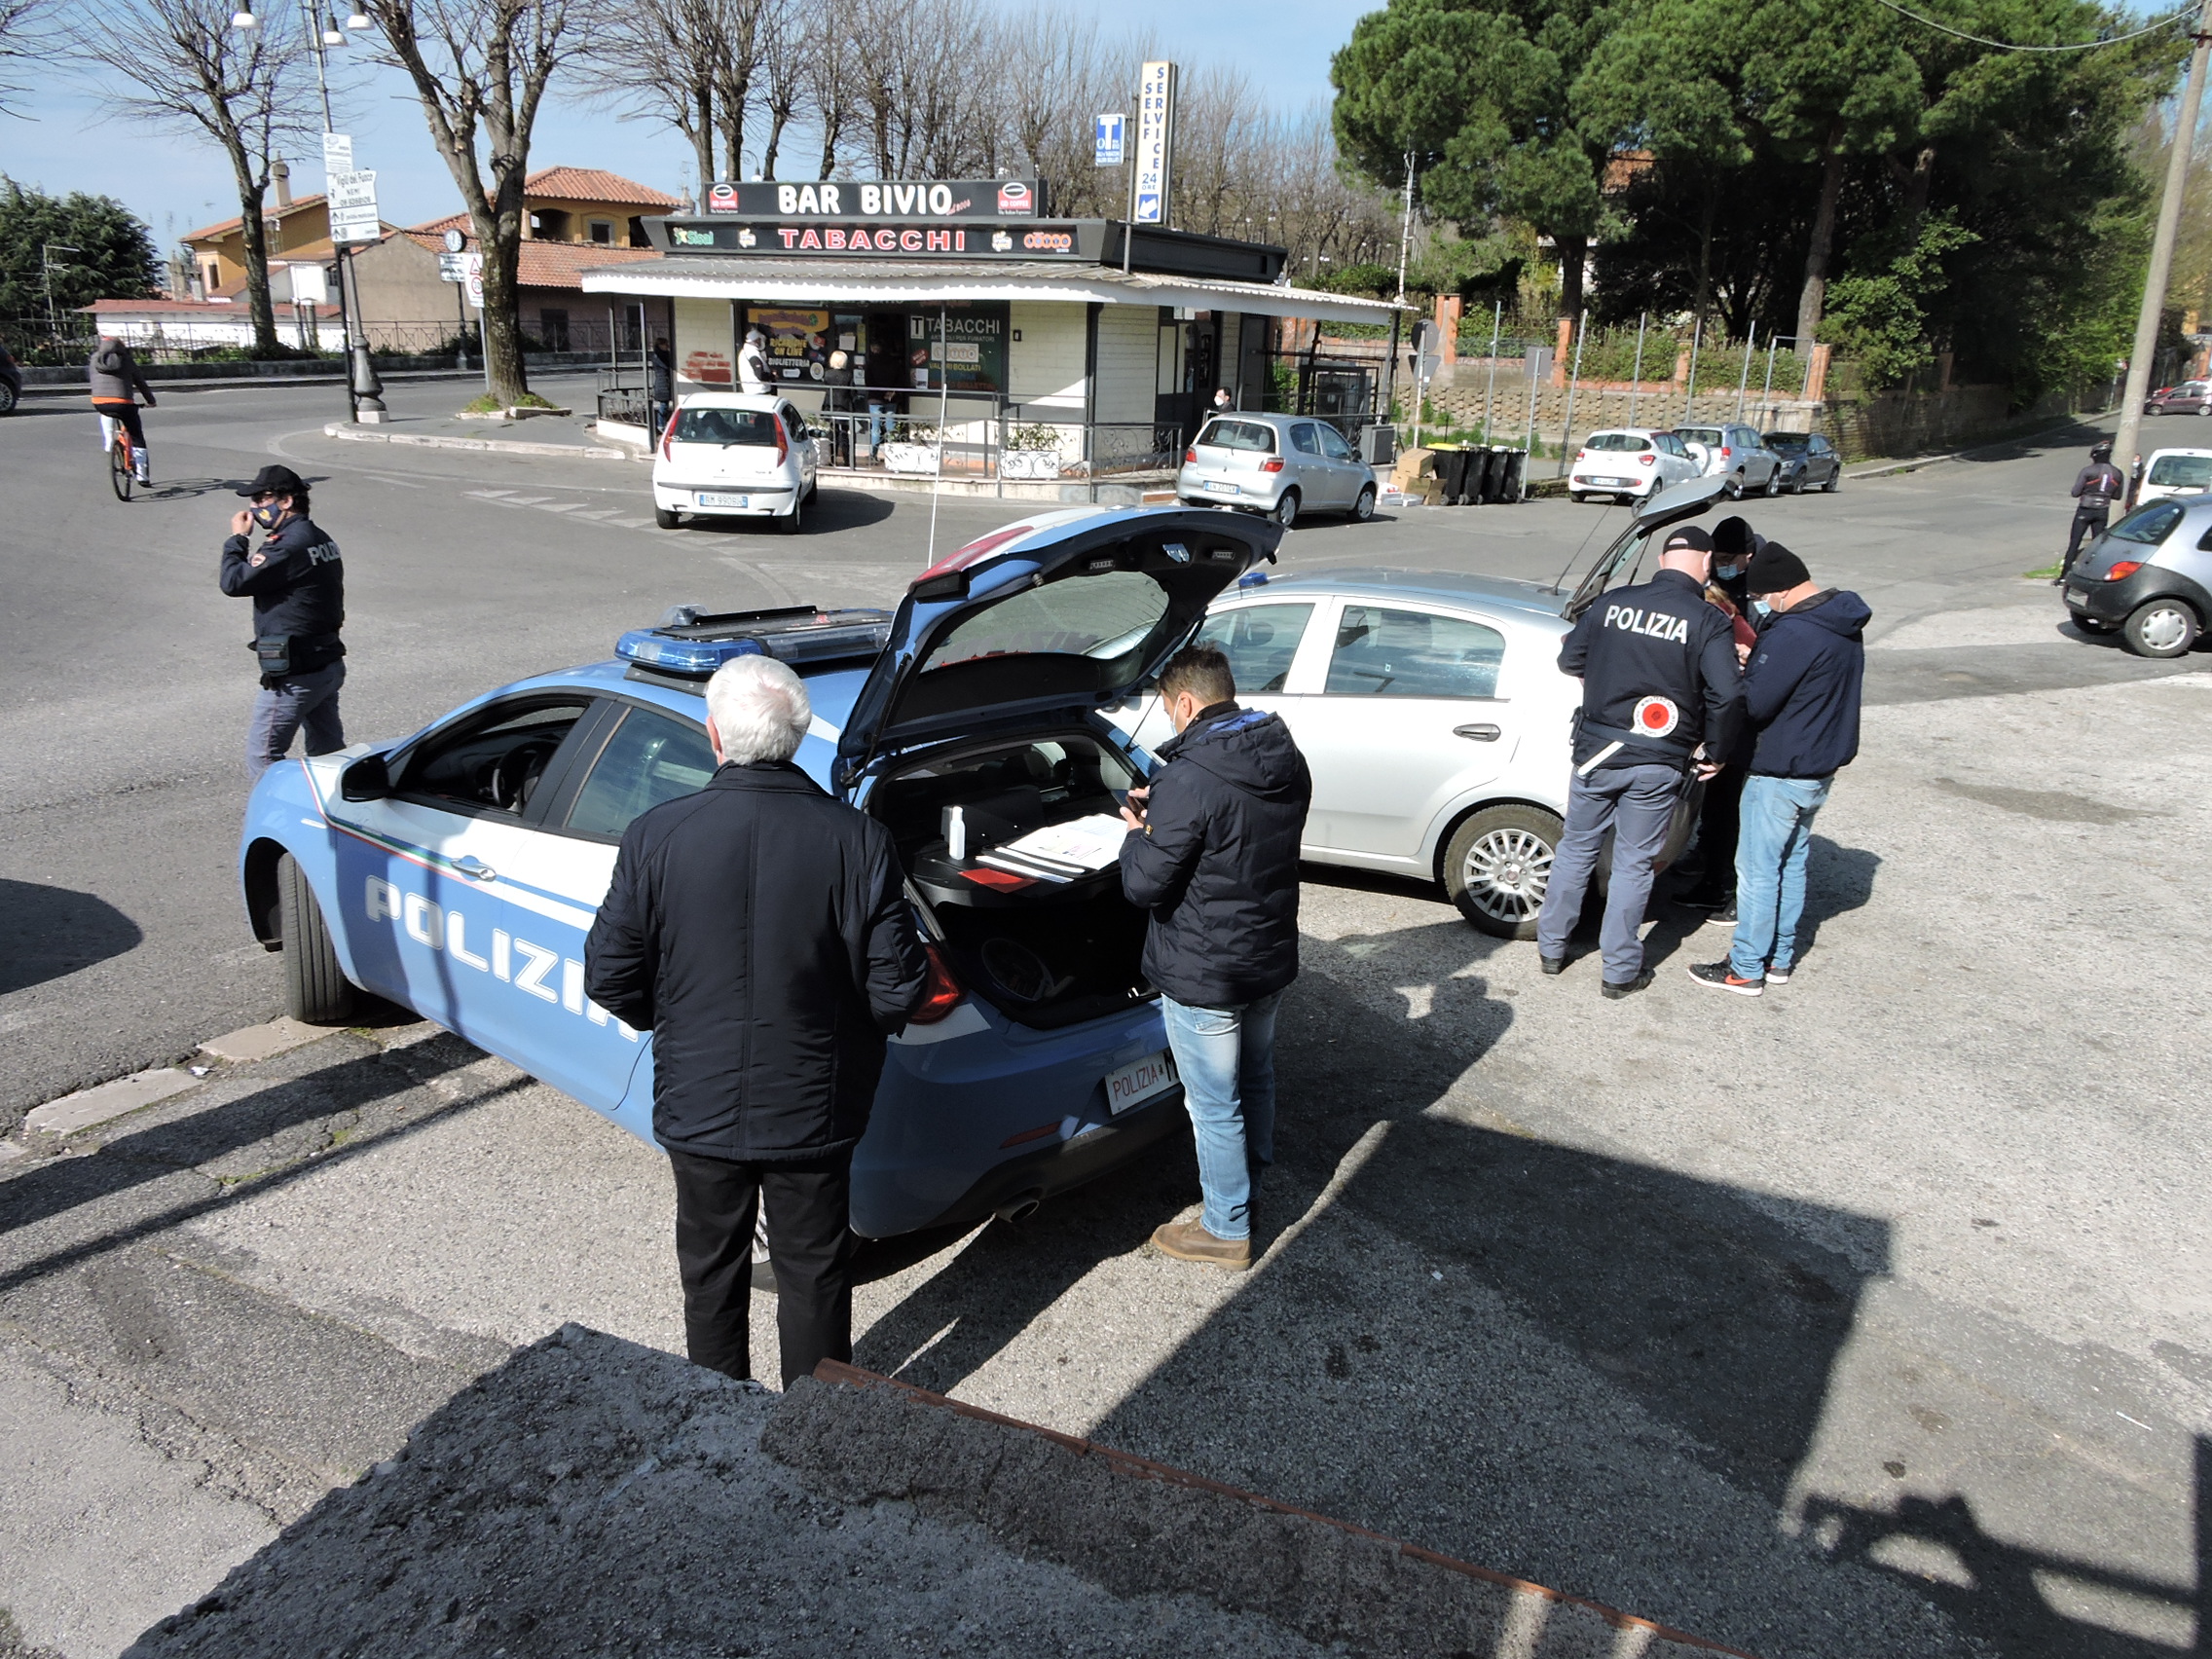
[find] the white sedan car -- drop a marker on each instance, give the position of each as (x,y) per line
(1630,463)
(734,455)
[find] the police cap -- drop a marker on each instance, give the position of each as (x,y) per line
(274,481)
(1687,538)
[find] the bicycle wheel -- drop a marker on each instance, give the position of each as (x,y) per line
(119,467)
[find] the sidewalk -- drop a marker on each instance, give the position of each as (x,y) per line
(569,436)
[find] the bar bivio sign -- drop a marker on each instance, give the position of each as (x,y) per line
(870,199)
(860,239)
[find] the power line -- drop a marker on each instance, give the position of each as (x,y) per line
(2167,22)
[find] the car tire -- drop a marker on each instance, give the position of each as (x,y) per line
(795,521)
(664,518)
(1774,484)
(316,991)
(8,397)
(1286,510)
(2163,627)
(1363,509)
(1576,498)
(1735,488)
(1834,483)
(1517,843)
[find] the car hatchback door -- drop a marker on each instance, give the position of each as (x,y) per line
(1408,719)
(1318,483)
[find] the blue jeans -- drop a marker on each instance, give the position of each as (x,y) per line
(1637,803)
(1226,1057)
(1777,834)
(881,418)
(280,710)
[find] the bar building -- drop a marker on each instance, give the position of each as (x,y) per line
(1044,348)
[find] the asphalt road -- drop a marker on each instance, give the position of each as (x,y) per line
(1865,1318)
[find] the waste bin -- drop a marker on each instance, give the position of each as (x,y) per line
(1511,478)
(1452,474)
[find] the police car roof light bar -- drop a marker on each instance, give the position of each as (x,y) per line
(690,642)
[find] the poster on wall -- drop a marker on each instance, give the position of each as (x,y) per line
(969,355)
(797,339)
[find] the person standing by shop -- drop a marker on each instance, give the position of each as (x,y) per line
(1212,854)
(660,388)
(1660,694)
(838,404)
(752,363)
(297,582)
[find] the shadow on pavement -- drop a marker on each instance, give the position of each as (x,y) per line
(54,931)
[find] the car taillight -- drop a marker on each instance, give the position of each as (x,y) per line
(1725,452)
(2122,570)
(1644,460)
(783,444)
(940,991)
(1190,454)
(1274,463)
(667,438)
(1581,456)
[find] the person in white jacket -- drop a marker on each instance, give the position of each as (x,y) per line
(752,363)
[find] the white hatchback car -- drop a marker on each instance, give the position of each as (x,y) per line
(2176,472)
(1629,464)
(734,455)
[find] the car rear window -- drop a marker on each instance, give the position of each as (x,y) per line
(2149,525)
(2183,472)
(1253,435)
(1104,616)
(1629,443)
(1698,434)
(1788,441)
(752,426)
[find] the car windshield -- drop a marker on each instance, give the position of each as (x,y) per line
(1633,443)
(1254,435)
(2183,472)
(1104,616)
(755,428)
(1788,441)
(2148,525)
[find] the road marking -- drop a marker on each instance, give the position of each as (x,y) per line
(561,506)
(600,513)
(490,495)
(96,1105)
(631,524)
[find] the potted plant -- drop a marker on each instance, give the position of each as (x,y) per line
(1031,452)
(911,447)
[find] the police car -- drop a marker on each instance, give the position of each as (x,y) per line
(457,871)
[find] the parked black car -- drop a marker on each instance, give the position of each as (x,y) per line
(10,382)
(1809,462)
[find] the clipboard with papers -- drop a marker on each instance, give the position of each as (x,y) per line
(1060,852)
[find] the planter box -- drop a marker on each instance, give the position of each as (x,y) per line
(1029,463)
(908,458)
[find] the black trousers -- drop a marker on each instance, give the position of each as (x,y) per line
(2085,524)
(1719,821)
(809,1208)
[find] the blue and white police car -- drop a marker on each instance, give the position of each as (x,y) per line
(458,871)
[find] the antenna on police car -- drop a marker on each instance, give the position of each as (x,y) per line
(944,395)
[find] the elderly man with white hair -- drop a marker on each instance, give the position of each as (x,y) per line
(760,930)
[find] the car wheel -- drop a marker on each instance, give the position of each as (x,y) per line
(1735,490)
(664,518)
(2164,627)
(1497,864)
(1774,484)
(1286,510)
(1363,509)
(7,399)
(814,489)
(1834,483)
(315,991)
(795,521)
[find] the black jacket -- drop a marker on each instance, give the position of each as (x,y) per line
(2097,486)
(1658,670)
(760,929)
(1216,862)
(1803,687)
(298,589)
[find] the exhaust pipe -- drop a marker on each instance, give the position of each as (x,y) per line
(1021,1208)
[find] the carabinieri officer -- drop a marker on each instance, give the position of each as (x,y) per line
(1661,693)
(297,583)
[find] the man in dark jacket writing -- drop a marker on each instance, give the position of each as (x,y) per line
(1801,690)
(760,929)
(1212,853)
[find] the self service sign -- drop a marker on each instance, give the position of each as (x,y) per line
(1156,144)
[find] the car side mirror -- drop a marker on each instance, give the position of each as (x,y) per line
(367,779)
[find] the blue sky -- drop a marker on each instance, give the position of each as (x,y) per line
(174,185)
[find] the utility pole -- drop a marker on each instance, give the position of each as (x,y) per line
(2161,253)
(1406,224)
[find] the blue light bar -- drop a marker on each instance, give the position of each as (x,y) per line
(1252,579)
(651,648)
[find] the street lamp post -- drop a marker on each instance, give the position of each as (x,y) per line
(46,270)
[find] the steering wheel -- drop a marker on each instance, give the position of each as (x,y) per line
(514,772)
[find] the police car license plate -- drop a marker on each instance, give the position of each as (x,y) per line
(708,498)
(1141,1081)
(1223,489)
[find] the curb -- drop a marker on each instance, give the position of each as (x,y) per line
(497,445)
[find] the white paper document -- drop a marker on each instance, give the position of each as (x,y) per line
(1081,844)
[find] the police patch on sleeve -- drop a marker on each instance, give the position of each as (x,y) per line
(1656,716)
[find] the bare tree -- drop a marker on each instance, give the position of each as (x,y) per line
(829,61)
(480,68)
(783,74)
(661,59)
(735,76)
(22,32)
(179,67)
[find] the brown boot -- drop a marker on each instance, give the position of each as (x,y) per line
(1190,1242)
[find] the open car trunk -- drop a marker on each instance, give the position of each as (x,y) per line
(1045,953)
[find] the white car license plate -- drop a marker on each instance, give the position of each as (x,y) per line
(2078,596)
(1224,488)
(709,498)
(1141,1081)
(1618,483)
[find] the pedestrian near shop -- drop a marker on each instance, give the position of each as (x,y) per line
(752,363)
(759,930)
(1222,403)
(2096,488)
(1801,690)
(660,386)
(1661,698)
(296,580)
(1212,855)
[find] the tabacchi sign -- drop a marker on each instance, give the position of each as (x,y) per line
(853,240)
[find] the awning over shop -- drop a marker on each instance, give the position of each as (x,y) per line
(844,282)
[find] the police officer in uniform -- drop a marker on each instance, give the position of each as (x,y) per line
(1661,691)
(297,583)
(2096,488)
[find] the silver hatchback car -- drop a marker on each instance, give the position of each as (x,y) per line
(1282,466)
(2149,578)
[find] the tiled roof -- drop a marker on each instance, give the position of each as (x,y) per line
(594,184)
(548,264)
(224,309)
(211,233)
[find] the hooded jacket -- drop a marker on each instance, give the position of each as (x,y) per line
(1216,862)
(114,374)
(760,931)
(1802,686)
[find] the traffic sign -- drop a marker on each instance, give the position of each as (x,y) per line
(352,202)
(453,268)
(336,152)
(475,278)
(1107,144)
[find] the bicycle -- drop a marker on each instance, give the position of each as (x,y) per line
(122,459)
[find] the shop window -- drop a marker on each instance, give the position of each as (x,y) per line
(553,329)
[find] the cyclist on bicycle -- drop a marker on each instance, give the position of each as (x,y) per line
(116,380)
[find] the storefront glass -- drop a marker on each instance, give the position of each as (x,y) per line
(972,350)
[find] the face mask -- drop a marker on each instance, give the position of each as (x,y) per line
(1761,608)
(267,514)
(1731,571)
